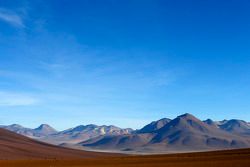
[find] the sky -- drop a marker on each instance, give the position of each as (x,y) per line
(125,63)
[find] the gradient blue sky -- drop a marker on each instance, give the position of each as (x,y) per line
(127,62)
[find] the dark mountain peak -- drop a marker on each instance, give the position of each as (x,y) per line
(185,122)
(189,119)
(155,125)
(187,116)
(164,120)
(209,121)
(44,126)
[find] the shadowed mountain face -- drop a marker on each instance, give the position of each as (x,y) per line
(184,133)
(155,125)
(211,123)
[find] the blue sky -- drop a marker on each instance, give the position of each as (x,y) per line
(124,62)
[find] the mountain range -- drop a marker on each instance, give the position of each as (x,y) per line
(77,134)
(182,134)
(39,132)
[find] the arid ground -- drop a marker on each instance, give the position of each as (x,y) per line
(234,158)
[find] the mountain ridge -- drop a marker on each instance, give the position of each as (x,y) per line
(184,133)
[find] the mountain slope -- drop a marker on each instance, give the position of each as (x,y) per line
(187,132)
(120,142)
(155,125)
(14,146)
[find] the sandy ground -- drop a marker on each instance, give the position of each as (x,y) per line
(233,158)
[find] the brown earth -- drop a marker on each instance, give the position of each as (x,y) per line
(233,158)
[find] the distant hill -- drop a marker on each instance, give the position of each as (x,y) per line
(41,131)
(83,133)
(73,135)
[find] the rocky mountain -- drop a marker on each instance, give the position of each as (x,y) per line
(188,132)
(236,126)
(83,133)
(233,126)
(211,123)
(41,131)
(155,125)
(184,133)
(77,134)
(45,129)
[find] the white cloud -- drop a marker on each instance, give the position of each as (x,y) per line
(16,99)
(11,18)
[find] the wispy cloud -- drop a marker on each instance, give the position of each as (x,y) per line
(16,99)
(11,18)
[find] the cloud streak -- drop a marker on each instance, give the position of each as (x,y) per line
(12,18)
(16,99)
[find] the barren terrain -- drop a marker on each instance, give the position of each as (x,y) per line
(235,158)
